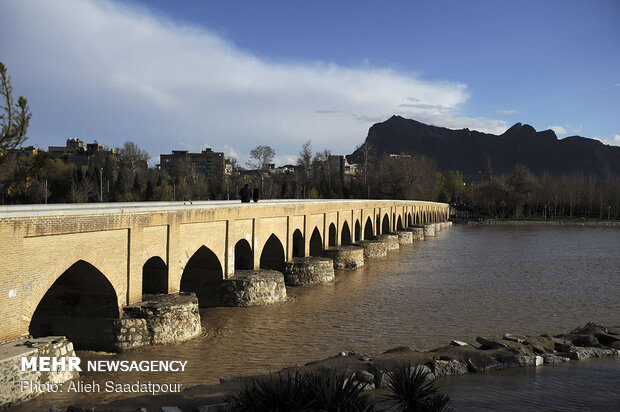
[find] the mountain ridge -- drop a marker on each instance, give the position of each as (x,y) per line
(468,150)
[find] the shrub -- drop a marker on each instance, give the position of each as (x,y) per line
(310,391)
(415,390)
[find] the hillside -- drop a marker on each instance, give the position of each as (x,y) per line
(466,150)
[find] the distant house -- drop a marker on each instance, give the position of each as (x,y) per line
(24,151)
(75,152)
(206,163)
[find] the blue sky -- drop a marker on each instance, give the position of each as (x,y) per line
(232,75)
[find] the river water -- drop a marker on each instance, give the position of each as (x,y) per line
(467,281)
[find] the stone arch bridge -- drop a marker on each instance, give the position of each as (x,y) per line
(106,256)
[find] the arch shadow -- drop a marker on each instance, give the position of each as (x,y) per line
(81,305)
(244,257)
(154,276)
(272,257)
(202,275)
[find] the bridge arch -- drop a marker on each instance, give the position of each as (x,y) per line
(298,244)
(62,263)
(80,304)
(385,228)
(316,243)
(202,275)
(333,236)
(154,276)
(378,224)
(368,233)
(399,224)
(244,256)
(409,221)
(345,235)
(358,231)
(272,255)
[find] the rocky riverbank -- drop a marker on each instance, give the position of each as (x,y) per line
(596,223)
(457,358)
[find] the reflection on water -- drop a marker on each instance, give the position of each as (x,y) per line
(467,281)
(590,385)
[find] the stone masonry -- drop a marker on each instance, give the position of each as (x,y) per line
(405,237)
(346,257)
(302,271)
(373,248)
(158,320)
(391,239)
(253,288)
(11,375)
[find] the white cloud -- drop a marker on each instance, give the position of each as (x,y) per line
(507,112)
(558,129)
(617,85)
(613,141)
(98,69)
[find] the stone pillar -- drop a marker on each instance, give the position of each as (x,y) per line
(175,249)
(255,246)
(429,230)
(134,265)
(417,233)
(405,237)
(252,288)
(308,271)
(346,257)
(307,236)
(391,240)
(374,248)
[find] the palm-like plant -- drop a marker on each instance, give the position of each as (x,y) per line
(312,391)
(415,390)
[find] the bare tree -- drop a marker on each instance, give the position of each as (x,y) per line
(261,157)
(14,118)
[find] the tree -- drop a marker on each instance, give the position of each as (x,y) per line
(134,157)
(14,118)
(261,157)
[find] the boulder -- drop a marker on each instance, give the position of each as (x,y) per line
(458,343)
(364,377)
(515,338)
(448,368)
(554,359)
(588,329)
(489,344)
(583,340)
(430,376)
(220,407)
(483,364)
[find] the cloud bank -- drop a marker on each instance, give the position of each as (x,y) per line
(112,72)
(558,129)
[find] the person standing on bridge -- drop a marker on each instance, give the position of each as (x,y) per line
(245,194)
(255,194)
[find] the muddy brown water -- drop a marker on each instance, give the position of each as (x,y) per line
(467,281)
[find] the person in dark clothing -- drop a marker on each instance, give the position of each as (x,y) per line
(245,194)
(255,194)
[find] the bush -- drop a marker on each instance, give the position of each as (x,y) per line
(310,391)
(415,390)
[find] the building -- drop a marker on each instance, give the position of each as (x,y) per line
(24,151)
(206,163)
(75,152)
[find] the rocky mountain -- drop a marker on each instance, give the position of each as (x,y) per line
(469,150)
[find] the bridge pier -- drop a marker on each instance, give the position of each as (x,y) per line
(391,239)
(373,248)
(429,230)
(417,233)
(302,271)
(346,257)
(405,237)
(252,288)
